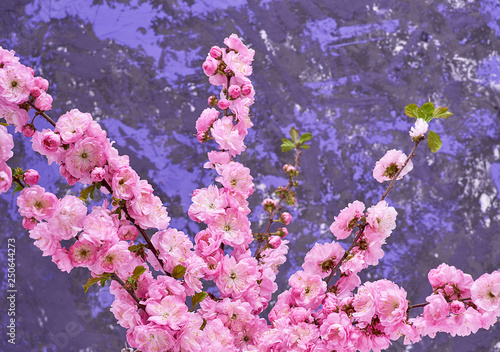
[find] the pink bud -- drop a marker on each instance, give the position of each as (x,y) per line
(28,130)
(215,52)
(275,241)
(246,89)
(223,104)
(29,223)
(31,177)
(51,141)
(44,101)
(97,175)
(210,66)
(41,83)
(285,218)
(36,92)
(282,232)
(234,91)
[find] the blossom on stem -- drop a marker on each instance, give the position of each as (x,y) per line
(390,164)
(419,130)
(344,223)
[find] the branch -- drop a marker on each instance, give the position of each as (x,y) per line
(42,113)
(129,290)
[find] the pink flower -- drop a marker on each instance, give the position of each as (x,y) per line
(419,130)
(151,338)
(216,159)
(322,258)
(6,144)
(44,101)
(236,277)
(204,122)
(390,164)
(486,292)
(343,224)
(47,143)
(125,183)
(82,254)
(14,115)
(44,239)
(274,241)
(227,136)
(16,82)
(174,247)
(382,218)
(308,289)
(31,177)
(236,177)
(5,177)
(169,312)
(72,125)
(34,202)
(87,154)
(97,175)
(207,204)
(67,220)
(234,228)
(28,130)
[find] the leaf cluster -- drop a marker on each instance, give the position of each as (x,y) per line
(297,141)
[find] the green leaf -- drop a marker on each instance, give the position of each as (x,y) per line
(305,137)
(90,282)
(287,145)
(178,271)
(138,271)
(411,110)
(294,134)
(426,111)
(305,146)
(198,297)
(433,141)
(4,124)
(84,194)
(442,112)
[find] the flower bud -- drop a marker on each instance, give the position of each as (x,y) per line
(215,52)
(282,232)
(274,241)
(28,130)
(223,104)
(210,66)
(269,205)
(246,89)
(31,177)
(285,218)
(234,91)
(97,175)
(29,223)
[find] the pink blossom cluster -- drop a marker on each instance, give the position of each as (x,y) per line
(313,314)
(17,86)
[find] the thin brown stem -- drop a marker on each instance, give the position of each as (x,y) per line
(129,290)
(42,113)
(265,234)
(393,181)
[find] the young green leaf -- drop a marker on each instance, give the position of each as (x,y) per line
(178,271)
(198,297)
(294,134)
(433,141)
(18,188)
(426,111)
(305,137)
(411,110)
(441,112)
(305,146)
(90,282)
(138,271)
(4,124)
(287,145)
(84,194)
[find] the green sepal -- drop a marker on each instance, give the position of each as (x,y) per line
(287,145)
(294,134)
(18,188)
(433,141)
(198,297)
(178,271)
(204,324)
(441,112)
(305,137)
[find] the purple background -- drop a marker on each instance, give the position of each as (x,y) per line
(342,70)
